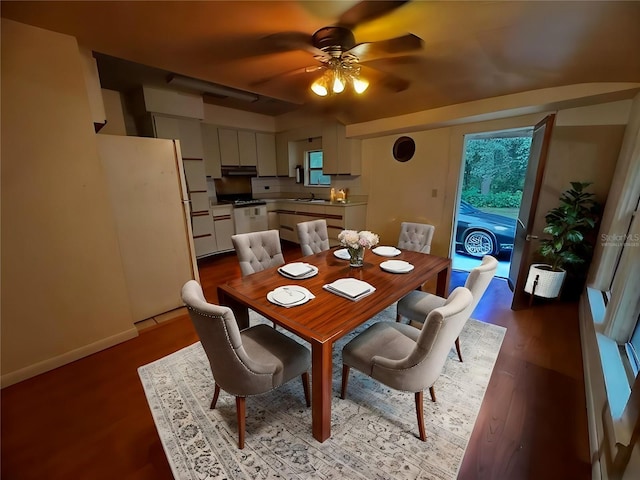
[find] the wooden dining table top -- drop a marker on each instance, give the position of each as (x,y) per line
(328,316)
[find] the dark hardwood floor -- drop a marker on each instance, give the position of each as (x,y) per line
(90,419)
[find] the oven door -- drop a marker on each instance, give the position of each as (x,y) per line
(251,218)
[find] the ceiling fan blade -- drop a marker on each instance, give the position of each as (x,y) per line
(290,73)
(367,10)
(385,79)
(393,46)
(287,41)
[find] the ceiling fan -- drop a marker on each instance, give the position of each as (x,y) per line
(338,55)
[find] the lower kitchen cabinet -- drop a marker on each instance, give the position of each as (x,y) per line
(204,238)
(338,217)
(223,227)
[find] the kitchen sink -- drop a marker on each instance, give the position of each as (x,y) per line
(310,200)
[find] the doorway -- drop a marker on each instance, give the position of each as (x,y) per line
(491,186)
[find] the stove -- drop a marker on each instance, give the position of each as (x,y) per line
(248,202)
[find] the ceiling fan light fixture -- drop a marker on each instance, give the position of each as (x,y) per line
(360,85)
(338,83)
(319,87)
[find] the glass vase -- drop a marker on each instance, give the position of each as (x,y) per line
(356,256)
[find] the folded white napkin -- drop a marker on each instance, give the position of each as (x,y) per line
(296,269)
(350,288)
(342,254)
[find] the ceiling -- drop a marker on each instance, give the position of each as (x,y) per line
(471,50)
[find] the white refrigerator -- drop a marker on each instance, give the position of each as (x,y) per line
(149,199)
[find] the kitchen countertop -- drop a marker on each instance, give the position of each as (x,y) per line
(318,201)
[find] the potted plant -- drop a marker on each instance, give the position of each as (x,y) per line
(569,225)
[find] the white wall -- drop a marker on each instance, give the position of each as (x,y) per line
(63,287)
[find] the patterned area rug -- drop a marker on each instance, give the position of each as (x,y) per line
(373,434)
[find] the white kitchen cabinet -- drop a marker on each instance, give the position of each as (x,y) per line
(211,148)
(338,217)
(223,226)
(199,201)
(94,92)
(340,155)
(247,148)
(184,129)
(194,172)
(266,150)
(166,127)
(287,227)
(229,152)
(204,238)
(282,154)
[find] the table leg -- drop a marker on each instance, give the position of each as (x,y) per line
(240,311)
(321,389)
(442,286)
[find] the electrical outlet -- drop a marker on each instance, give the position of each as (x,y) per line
(267,187)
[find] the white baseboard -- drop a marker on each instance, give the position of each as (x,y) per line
(67,357)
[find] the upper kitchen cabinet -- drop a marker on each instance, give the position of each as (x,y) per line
(237,147)
(266,151)
(229,151)
(94,92)
(184,129)
(282,154)
(247,148)
(340,155)
(211,146)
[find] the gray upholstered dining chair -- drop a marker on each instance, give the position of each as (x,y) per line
(417,304)
(313,236)
(248,362)
(406,358)
(258,251)
(416,236)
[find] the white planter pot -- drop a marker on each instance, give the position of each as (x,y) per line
(549,282)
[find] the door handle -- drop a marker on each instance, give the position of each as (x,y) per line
(528,238)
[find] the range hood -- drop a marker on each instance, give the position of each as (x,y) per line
(239,171)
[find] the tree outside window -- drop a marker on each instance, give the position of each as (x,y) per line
(316,177)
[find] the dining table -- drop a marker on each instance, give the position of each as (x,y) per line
(323,320)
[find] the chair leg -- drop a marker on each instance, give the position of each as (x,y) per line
(305,386)
(240,409)
(432,391)
(458,349)
(420,414)
(345,380)
(398,317)
(216,392)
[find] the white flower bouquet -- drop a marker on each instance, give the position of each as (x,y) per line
(356,240)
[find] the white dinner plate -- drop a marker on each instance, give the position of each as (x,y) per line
(386,251)
(289,295)
(298,270)
(342,254)
(396,266)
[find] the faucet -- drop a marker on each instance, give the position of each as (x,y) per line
(313,197)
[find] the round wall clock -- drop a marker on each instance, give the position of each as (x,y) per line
(404,149)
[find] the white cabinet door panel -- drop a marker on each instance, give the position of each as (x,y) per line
(247,148)
(195,175)
(199,201)
(229,154)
